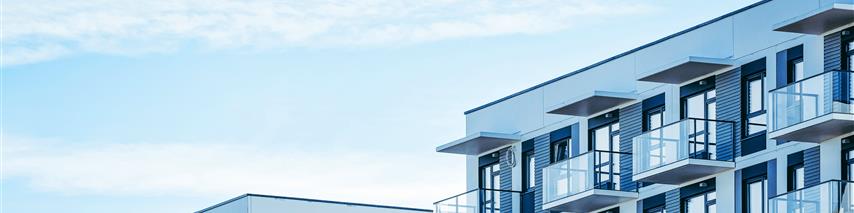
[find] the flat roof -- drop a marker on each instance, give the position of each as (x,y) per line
(617,56)
(310,200)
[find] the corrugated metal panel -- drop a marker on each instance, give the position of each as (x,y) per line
(729,109)
(630,126)
(506,175)
(672,201)
(832,53)
(812,166)
(541,153)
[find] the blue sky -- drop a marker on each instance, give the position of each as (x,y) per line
(174,106)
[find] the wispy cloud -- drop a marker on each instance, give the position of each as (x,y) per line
(222,170)
(41,30)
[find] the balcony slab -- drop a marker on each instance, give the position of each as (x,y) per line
(590,200)
(683,171)
(817,129)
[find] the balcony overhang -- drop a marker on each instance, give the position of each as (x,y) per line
(592,103)
(819,21)
(590,200)
(817,129)
(478,143)
(685,69)
(683,171)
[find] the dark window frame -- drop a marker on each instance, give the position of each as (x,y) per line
(790,70)
(847,159)
(791,176)
(554,148)
(846,38)
(746,113)
(654,110)
(528,156)
(706,205)
(745,192)
(655,209)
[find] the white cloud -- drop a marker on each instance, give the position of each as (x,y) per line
(35,30)
(222,170)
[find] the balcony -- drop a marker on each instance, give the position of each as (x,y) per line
(827,17)
(478,201)
(828,197)
(683,151)
(685,69)
(478,143)
(589,104)
(585,183)
(813,109)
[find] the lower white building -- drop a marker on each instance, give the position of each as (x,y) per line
(255,203)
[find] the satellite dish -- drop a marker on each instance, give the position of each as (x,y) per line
(510,157)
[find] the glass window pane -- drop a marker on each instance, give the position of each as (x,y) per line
(696,107)
(798,69)
(753,128)
(754,95)
(755,199)
(601,137)
(655,120)
(696,205)
(799,178)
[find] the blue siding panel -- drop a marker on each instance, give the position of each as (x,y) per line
(541,153)
(672,201)
(729,109)
(630,126)
(832,54)
(506,175)
(812,164)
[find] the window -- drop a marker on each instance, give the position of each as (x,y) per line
(654,118)
(606,141)
(796,70)
(530,171)
(754,106)
(702,106)
(561,150)
(703,203)
(754,195)
(848,50)
(796,177)
(657,209)
(848,164)
(606,138)
(490,179)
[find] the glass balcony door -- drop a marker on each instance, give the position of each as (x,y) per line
(701,144)
(606,139)
(490,179)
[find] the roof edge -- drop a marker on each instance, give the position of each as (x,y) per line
(617,56)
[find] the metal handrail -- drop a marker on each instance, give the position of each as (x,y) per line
(731,123)
(588,152)
(808,78)
(819,184)
(684,119)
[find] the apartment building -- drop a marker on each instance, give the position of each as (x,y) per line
(748,112)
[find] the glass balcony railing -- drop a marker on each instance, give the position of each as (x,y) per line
(591,170)
(689,138)
(819,95)
(478,201)
(829,197)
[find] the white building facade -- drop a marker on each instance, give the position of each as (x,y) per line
(749,112)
